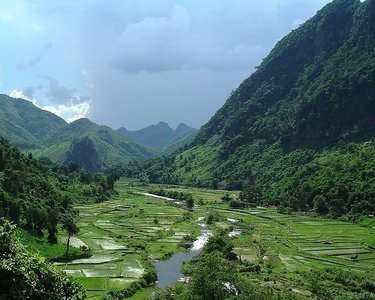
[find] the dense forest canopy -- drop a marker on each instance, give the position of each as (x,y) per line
(38,194)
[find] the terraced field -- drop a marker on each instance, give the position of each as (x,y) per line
(125,234)
(131,231)
(297,242)
(301,242)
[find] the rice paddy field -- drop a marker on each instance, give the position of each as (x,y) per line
(131,231)
(124,234)
(299,242)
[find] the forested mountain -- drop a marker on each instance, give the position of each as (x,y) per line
(24,124)
(299,132)
(38,194)
(26,196)
(161,136)
(43,133)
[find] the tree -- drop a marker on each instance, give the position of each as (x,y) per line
(112,177)
(2,159)
(190,202)
(251,194)
(53,220)
(214,277)
(226,197)
(320,205)
(220,243)
(27,276)
(71,228)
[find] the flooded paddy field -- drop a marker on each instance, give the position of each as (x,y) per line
(132,231)
(124,235)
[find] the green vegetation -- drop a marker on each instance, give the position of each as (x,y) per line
(37,195)
(298,133)
(27,276)
(125,240)
(177,195)
(51,252)
(45,134)
(27,197)
(276,256)
(84,154)
(296,136)
(270,255)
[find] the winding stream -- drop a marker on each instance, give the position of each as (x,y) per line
(168,271)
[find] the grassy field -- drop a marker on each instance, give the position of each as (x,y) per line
(131,231)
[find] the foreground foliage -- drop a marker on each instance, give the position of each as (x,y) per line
(27,276)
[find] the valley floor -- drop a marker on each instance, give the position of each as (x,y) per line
(131,231)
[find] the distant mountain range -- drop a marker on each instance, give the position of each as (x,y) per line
(45,134)
(161,136)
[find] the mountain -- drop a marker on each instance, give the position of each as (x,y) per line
(299,132)
(84,153)
(161,136)
(25,124)
(45,134)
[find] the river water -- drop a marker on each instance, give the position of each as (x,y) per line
(168,271)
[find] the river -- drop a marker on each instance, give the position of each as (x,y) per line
(168,271)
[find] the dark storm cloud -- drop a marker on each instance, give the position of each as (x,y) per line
(143,61)
(29,92)
(159,44)
(58,93)
(179,60)
(212,35)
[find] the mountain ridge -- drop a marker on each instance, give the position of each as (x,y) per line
(160,136)
(45,134)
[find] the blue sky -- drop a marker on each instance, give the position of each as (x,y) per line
(132,63)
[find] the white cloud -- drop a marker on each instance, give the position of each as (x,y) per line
(20,95)
(69,112)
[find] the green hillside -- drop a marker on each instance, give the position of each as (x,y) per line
(38,196)
(25,124)
(300,129)
(45,134)
(111,146)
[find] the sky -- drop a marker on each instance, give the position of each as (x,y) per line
(132,63)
